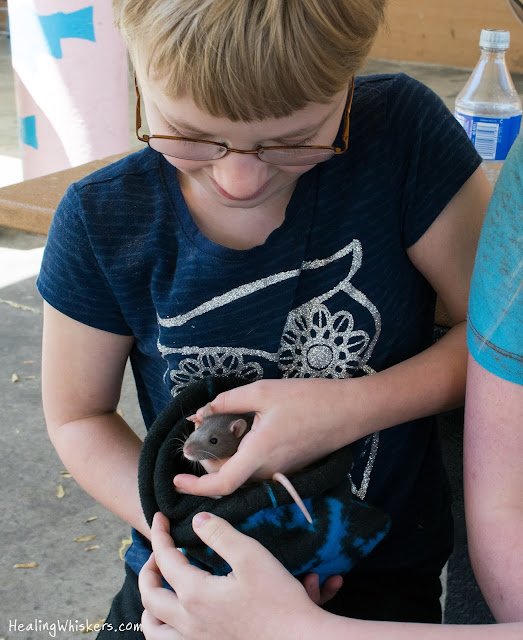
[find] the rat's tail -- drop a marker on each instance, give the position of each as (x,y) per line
(285,482)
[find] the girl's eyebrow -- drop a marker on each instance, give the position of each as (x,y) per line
(302,131)
(182,124)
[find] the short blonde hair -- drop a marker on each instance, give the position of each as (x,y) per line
(249,59)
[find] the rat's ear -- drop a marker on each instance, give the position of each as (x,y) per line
(238,427)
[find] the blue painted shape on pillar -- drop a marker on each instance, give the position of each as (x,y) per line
(28,131)
(78,24)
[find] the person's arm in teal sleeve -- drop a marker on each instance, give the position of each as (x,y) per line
(493,446)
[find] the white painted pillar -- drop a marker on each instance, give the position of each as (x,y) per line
(71,83)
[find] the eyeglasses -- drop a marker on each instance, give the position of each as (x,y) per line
(204,150)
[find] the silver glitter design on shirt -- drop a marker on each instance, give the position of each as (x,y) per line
(374,439)
(362,491)
(259,353)
(226,298)
(315,343)
(223,364)
(320,345)
(252,287)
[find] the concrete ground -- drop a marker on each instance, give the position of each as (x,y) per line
(72,584)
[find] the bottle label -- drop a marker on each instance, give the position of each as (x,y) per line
(492,137)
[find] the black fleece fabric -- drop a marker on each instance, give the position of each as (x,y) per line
(344,528)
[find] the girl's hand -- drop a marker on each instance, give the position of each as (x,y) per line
(258,600)
(297,422)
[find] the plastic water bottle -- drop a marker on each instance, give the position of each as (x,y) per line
(488,107)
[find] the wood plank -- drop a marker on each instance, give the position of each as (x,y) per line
(30,205)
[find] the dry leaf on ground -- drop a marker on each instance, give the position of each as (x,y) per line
(92,626)
(85,538)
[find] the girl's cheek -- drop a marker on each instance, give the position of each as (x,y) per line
(192,166)
(186,166)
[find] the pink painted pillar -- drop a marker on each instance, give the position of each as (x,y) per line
(71,83)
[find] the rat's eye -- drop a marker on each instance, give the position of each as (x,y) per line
(213,440)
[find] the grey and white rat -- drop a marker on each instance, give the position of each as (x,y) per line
(218,438)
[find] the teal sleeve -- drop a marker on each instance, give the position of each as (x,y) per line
(495,318)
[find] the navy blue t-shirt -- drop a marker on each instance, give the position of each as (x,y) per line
(331,293)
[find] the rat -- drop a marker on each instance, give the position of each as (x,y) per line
(218,438)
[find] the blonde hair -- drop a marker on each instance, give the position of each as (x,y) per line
(249,59)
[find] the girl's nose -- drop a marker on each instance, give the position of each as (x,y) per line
(241,176)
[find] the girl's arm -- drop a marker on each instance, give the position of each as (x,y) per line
(259,599)
(493,479)
(301,420)
(82,373)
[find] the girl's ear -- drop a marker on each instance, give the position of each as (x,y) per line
(238,427)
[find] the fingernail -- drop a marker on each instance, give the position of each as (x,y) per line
(176,480)
(199,519)
(180,489)
(157,519)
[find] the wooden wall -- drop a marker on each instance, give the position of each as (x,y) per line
(446,31)
(3,17)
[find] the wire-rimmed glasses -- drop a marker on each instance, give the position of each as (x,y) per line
(205,150)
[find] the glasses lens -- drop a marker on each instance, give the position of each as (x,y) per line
(185,150)
(295,157)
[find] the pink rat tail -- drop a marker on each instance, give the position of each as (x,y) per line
(285,482)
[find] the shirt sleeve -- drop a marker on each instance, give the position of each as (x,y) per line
(430,150)
(71,279)
(495,317)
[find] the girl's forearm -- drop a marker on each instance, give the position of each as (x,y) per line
(498,560)
(426,384)
(338,628)
(101,452)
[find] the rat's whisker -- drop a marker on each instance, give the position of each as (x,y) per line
(211,456)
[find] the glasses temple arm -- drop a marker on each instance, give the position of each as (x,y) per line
(138,109)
